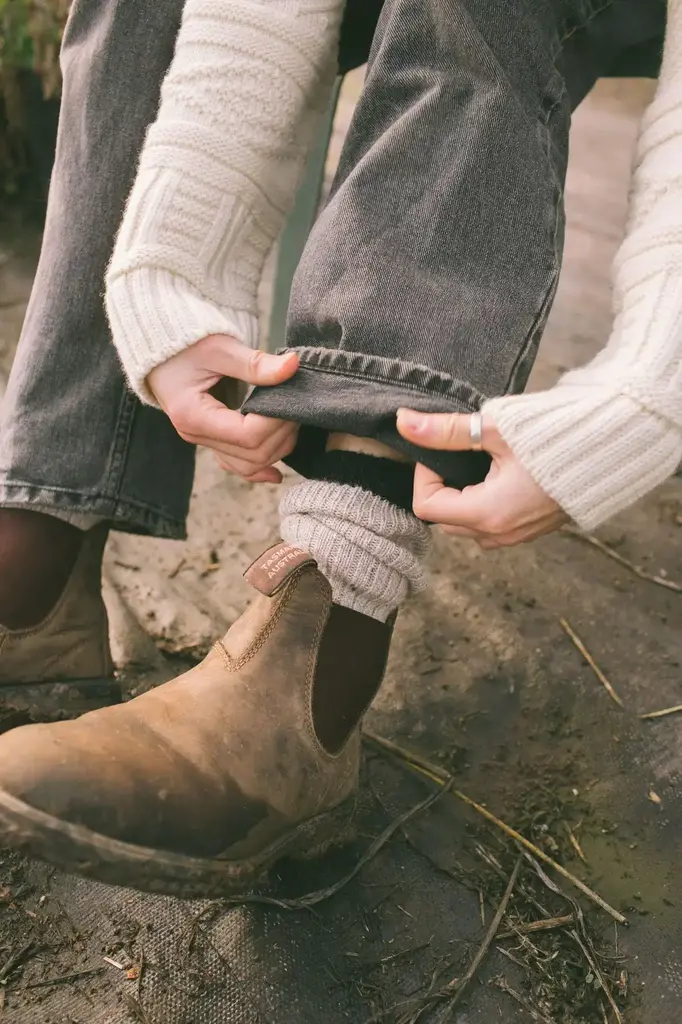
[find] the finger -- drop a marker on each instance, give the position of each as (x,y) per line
(262,475)
(244,467)
(204,420)
(271,475)
(436,503)
(447,431)
(231,358)
(427,484)
(275,449)
(461,531)
(525,534)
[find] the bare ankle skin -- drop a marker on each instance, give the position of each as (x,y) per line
(364,446)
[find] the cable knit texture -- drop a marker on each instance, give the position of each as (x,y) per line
(611,431)
(371,551)
(241,107)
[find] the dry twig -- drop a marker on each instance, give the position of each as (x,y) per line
(63,979)
(504,986)
(15,960)
(453,990)
(440,776)
(459,987)
(576,845)
(583,941)
(138,987)
(661,581)
(598,975)
(663,713)
(546,925)
(136,1009)
(573,636)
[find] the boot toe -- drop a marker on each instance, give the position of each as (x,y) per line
(98,782)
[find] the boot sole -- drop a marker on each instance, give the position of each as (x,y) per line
(78,850)
(53,701)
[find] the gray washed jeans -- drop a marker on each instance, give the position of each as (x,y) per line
(426,281)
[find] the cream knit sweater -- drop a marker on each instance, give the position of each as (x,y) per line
(240,109)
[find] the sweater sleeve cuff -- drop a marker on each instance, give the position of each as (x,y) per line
(593,450)
(155,314)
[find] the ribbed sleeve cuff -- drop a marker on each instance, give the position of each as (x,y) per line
(595,451)
(155,314)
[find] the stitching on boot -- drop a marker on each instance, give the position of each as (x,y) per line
(259,640)
(234,664)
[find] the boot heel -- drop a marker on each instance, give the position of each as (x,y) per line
(54,701)
(318,835)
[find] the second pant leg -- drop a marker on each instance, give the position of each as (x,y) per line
(73,439)
(428,278)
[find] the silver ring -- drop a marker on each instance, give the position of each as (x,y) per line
(476,431)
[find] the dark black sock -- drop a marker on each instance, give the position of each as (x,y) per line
(388,479)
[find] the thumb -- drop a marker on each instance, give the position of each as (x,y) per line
(267,369)
(231,358)
(447,431)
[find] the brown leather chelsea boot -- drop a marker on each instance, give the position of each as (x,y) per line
(197,787)
(62,667)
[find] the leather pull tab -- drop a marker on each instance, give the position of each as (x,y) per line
(270,572)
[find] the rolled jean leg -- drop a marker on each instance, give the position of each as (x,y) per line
(73,440)
(427,280)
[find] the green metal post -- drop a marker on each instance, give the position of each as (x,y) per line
(297,229)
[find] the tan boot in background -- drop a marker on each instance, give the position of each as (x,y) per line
(62,667)
(199,786)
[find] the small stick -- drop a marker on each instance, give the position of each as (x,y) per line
(138,987)
(113,963)
(174,572)
(661,714)
(459,987)
(636,569)
(576,845)
(64,978)
(136,1009)
(597,973)
(440,776)
(15,960)
(547,925)
(535,1014)
(590,661)
(454,990)
(510,956)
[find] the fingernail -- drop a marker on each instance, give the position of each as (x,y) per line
(414,421)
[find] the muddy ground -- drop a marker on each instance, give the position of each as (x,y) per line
(485,681)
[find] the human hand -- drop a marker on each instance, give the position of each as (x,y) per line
(508,508)
(248,445)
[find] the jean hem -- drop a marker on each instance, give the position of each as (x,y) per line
(335,390)
(124,515)
(385,370)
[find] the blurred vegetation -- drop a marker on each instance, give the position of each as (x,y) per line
(30,37)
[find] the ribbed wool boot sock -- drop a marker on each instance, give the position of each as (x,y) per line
(370,550)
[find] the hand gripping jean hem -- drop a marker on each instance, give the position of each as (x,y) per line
(125,516)
(336,390)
